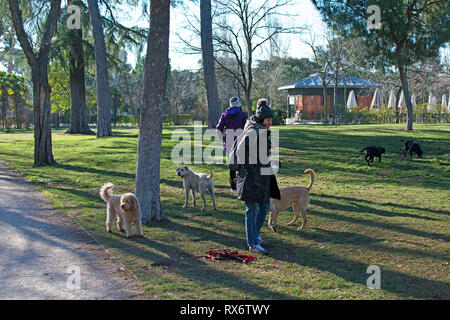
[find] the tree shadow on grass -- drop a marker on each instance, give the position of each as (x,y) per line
(371,223)
(355,272)
(97,171)
(202,273)
(355,205)
(388,204)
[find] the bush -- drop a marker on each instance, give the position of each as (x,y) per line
(279,117)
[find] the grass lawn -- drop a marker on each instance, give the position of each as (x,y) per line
(394,214)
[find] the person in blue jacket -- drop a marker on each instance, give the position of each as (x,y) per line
(232,118)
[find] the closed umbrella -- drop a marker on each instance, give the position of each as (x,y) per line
(351,101)
(444,103)
(413,100)
(392,98)
(401,102)
(431,101)
(448,107)
(377,101)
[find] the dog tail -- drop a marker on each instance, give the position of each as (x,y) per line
(106,191)
(312,175)
(129,203)
(210,176)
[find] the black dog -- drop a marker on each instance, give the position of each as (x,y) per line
(372,152)
(412,146)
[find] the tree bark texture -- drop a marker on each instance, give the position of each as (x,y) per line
(103,90)
(43,154)
(79,117)
(4,106)
(18,107)
(209,71)
(150,130)
(409,109)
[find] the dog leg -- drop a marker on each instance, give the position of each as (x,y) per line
(110,217)
(193,197)
(202,194)
(186,197)
(303,211)
(120,223)
(273,219)
(139,227)
(128,230)
(405,150)
(295,207)
(211,189)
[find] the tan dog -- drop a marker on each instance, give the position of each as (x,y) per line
(297,197)
(196,181)
(125,207)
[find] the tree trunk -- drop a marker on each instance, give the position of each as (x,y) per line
(115,106)
(18,106)
(209,72)
(248,101)
(409,109)
(43,153)
(325,101)
(397,113)
(78,112)
(336,80)
(103,90)
(5,106)
(150,130)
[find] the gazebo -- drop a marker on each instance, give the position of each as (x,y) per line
(306,95)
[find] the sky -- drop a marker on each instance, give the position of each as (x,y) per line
(304,10)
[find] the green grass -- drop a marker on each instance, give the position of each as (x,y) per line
(394,214)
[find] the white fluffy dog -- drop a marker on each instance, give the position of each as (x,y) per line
(125,207)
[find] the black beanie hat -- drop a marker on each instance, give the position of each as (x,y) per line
(263,111)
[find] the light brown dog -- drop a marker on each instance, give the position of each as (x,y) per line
(297,197)
(125,207)
(194,181)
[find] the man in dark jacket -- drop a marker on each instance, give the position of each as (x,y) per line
(255,185)
(233,118)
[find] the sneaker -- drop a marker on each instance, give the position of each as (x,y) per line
(261,242)
(261,249)
(255,250)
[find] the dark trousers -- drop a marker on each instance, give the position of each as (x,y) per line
(232,176)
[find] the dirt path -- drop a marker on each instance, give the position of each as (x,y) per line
(42,251)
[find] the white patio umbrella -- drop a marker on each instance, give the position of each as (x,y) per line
(448,107)
(431,101)
(413,100)
(402,102)
(392,98)
(377,100)
(444,103)
(351,101)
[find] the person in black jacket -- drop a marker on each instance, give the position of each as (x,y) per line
(256,183)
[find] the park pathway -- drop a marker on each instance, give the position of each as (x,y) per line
(42,251)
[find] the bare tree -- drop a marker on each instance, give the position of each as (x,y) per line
(240,28)
(150,129)
(43,153)
(322,60)
(103,90)
(209,72)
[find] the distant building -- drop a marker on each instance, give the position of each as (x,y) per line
(306,95)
